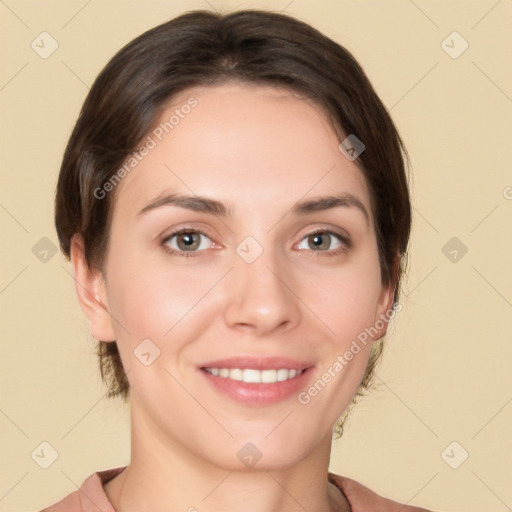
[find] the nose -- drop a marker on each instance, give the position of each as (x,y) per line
(260,298)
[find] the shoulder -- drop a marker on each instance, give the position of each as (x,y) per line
(90,497)
(362,498)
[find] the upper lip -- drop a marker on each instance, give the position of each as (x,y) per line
(257,363)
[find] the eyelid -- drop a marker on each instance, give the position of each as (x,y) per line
(187,228)
(344,240)
(164,241)
(340,233)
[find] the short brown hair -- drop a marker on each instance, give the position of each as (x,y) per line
(200,48)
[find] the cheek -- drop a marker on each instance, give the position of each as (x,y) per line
(346,301)
(151,299)
(346,304)
(161,303)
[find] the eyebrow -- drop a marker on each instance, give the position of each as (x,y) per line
(207,205)
(328,202)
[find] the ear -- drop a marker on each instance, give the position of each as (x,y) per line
(91,291)
(384,311)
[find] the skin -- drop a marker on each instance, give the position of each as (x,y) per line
(259,151)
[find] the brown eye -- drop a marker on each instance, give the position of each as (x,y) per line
(188,241)
(320,241)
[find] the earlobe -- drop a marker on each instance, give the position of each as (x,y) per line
(91,292)
(386,306)
(384,311)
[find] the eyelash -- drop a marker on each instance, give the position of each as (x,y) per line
(186,254)
(346,243)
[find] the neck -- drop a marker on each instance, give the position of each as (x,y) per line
(163,475)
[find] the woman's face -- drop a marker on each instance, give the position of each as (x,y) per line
(242,247)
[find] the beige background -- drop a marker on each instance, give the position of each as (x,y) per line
(446,375)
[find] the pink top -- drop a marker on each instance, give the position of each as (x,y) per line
(92,498)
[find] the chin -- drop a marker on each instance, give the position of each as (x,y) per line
(250,453)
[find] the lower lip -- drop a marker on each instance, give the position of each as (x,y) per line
(258,394)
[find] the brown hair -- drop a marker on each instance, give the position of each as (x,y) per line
(201,48)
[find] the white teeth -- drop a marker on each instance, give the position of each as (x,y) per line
(236,374)
(282,374)
(269,376)
(251,375)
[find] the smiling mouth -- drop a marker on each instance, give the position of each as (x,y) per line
(253,376)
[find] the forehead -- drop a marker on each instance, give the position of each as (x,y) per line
(245,144)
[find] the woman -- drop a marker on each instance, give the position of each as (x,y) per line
(234,203)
